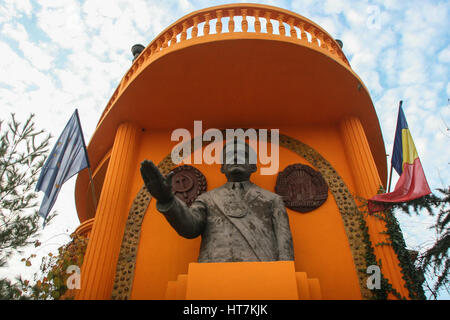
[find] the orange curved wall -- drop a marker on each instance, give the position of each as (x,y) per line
(320,243)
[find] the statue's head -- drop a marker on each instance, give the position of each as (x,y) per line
(239,161)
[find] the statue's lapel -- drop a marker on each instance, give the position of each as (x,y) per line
(252,194)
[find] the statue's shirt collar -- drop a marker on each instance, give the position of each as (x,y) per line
(245,184)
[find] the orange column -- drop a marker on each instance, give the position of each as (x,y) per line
(99,266)
(367,183)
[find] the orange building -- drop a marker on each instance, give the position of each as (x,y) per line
(237,66)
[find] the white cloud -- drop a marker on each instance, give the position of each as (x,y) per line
(15,31)
(444,55)
(62,23)
(329,24)
(14,9)
(37,56)
(18,73)
(336,6)
(185,5)
(71,82)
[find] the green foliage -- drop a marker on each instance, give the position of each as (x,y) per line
(22,153)
(434,261)
(428,203)
(10,291)
(51,282)
(412,276)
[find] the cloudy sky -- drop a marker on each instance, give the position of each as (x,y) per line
(56,56)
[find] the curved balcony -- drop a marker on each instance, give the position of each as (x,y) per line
(289,27)
(270,66)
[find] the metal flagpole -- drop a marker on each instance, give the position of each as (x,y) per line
(94,198)
(390,179)
(392,154)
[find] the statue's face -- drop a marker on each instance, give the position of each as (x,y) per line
(234,169)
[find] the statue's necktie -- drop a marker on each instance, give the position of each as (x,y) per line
(238,190)
(236,207)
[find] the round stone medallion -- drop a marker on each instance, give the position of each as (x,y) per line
(188,183)
(302,188)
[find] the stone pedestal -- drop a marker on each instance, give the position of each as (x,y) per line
(243,281)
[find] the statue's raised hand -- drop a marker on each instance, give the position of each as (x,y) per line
(160,187)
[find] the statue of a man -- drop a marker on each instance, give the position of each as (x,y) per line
(238,221)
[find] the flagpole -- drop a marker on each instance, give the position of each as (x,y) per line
(94,198)
(390,174)
(390,180)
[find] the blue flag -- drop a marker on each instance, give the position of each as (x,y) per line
(397,151)
(67,158)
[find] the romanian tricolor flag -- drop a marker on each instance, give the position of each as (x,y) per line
(405,160)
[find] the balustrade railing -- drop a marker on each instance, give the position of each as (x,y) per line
(243,19)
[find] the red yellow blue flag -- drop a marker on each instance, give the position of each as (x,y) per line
(405,160)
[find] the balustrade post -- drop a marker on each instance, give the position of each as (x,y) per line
(269,25)
(244,20)
(314,39)
(195,27)
(174,36)
(329,43)
(158,45)
(219,21)
(184,32)
(321,37)
(293,32)
(281,28)
(166,40)
(257,22)
(206,26)
(152,49)
(231,22)
(303,34)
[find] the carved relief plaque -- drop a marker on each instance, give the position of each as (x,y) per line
(303,189)
(188,183)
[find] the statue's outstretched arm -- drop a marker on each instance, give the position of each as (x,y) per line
(188,222)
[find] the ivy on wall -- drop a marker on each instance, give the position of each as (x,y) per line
(412,277)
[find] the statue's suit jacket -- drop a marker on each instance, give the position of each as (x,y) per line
(258,231)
